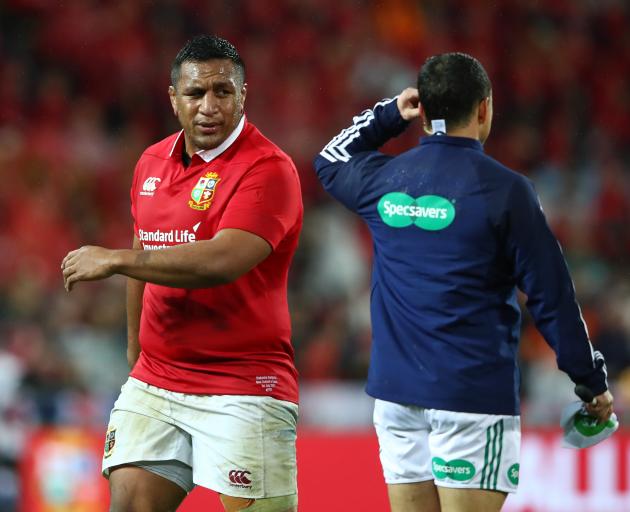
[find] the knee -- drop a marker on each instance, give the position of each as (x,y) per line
(233,504)
(277,504)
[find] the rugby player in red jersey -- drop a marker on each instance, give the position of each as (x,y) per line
(212,395)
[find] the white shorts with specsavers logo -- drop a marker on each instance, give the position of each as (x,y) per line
(454,449)
(242,446)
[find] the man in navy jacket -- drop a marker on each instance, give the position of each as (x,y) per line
(455,234)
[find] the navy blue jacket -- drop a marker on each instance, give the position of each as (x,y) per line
(455,233)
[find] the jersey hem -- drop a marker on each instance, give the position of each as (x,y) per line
(212,391)
(444,405)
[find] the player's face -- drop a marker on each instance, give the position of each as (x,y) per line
(208,102)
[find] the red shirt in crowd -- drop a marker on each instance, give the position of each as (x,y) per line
(231,339)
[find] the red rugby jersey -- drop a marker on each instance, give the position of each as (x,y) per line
(231,339)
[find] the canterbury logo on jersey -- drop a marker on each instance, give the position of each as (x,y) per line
(150,185)
(336,150)
(240,478)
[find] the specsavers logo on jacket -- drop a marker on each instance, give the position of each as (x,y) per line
(400,210)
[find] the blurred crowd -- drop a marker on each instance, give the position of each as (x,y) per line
(83,92)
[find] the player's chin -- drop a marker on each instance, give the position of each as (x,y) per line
(206,142)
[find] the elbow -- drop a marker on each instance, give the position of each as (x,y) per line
(222,278)
(326,181)
(230,255)
(133,353)
(217,274)
(324,170)
(319,161)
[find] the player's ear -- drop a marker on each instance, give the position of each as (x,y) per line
(243,96)
(172,94)
(484,118)
(424,120)
(484,110)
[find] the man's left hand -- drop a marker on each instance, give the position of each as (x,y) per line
(88,263)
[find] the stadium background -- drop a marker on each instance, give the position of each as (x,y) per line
(83,91)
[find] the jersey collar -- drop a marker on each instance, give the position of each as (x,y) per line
(207,155)
(455,141)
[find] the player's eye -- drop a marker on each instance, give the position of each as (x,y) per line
(223,91)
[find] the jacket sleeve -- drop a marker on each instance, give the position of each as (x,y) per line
(351,156)
(541,273)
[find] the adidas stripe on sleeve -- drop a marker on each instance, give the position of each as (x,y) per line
(353,154)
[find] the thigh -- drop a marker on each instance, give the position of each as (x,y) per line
(470,500)
(475,451)
(414,497)
(134,488)
(243,446)
(403,437)
(141,432)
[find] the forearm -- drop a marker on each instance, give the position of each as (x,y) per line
(351,155)
(223,259)
(564,329)
(554,307)
(194,265)
(135,291)
(369,131)
(555,310)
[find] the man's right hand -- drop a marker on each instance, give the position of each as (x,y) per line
(602,409)
(88,263)
(408,104)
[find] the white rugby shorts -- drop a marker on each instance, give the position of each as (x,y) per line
(454,449)
(242,446)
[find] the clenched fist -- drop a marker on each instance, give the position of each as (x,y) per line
(407,104)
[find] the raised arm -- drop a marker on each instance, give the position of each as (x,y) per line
(350,155)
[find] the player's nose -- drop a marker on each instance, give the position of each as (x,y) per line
(209,104)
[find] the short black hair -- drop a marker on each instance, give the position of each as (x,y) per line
(206,47)
(450,85)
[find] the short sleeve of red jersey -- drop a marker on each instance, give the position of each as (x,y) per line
(267,202)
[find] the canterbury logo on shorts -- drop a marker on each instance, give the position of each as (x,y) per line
(240,478)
